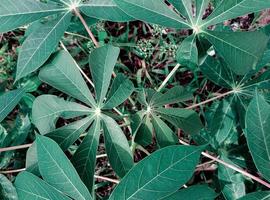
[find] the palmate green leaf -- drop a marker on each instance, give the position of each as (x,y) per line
(84,159)
(257,133)
(165,136)
(48,108)
(7,190)
(159,175)
(30,186)
(196,192)
(40,44)
(68,134)
(232,183)
(187,53)
(63,74)
(264,195)
(152,11)
(232,9)
(14,13)
(58,171)
(120,90)
(105,10)
(102,62)
(240,55)
(9,100)
(188,120)
(117,147)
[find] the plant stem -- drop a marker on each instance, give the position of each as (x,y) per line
(107,179)
(234,167)
(24,146)
(78,14)
(210,100)
(96,176)
(168,77)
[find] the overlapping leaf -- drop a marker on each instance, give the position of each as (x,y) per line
(159,175)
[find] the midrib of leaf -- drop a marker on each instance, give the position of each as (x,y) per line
(103,80)
(254,84)
(188,12)
(230,44)
(62,171)
(78,88)
(266,197)
(36,12)
(88,153)
(13,99)
(262,127)
(160,173)
(41,43)
(178,20)
(32,194)
(90,118)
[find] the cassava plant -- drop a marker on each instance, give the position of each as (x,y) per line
(97,127)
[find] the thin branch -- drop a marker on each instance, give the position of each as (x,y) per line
(107,179)
(234,167)
(96,176)
(168,77)
(24,146)
(78,14)
(210,100)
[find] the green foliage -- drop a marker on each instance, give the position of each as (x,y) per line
(112,130)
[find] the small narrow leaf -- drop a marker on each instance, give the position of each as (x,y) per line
(58,171)
(8,102)
(48,108)
(152,11)
(14,13)
(102,62)
(63,74)
(240,55)
(40,44)
(196,192)
(159,175)
(105,10)
(165,136)
(121,89)
(84,159)
(30,186)
(7,190)
(67,135)
(187,54)
(117,147)
(257,133)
